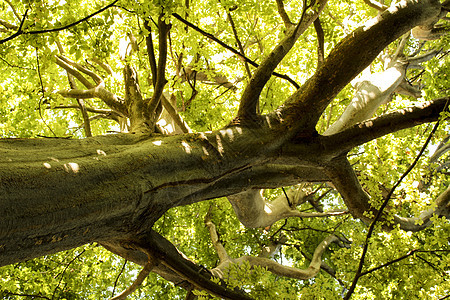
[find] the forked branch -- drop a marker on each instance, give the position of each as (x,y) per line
(272,266)
(94,90)
(82,106)
(254,211)
(284,16)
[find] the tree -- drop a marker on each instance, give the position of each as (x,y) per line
(361,200)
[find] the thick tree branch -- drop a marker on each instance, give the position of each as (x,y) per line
(430,30)
(79,94)
(96,90)
(371,129)
(442,208)
(162,249)
(220,249)
(89,109)
(97,79)
(100,92)
(326,268)
(139,257)
(151,52)
(63,63)
(320,42)
(139,120)
(103,65)
(171,110)
(352,55)
(344,179)
(86,121)
(250,97)
(376,89)
(160,72)
(263,261)
(278,269)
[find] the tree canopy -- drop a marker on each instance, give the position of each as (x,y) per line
(236,149)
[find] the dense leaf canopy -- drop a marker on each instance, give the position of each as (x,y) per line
(212,48)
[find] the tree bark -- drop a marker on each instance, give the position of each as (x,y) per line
(58,194)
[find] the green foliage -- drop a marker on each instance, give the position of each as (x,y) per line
(28,108)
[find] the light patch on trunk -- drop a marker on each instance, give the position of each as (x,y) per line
(72,167)
(186,146)
(101,152)
(219,144)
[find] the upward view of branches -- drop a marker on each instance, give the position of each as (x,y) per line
(222,158)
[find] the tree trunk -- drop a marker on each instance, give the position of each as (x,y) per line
(59,194)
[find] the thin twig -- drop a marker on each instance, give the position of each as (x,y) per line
(238,41)
(380,212)
(117,278)
(389,263)
(138,281)
(410,253)
(65,269)
(14,66)
(278,230)
(20,31)
(213,38)
(13,9)
(287,198)
(42,91)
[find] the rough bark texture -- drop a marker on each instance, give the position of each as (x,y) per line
(58,194)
